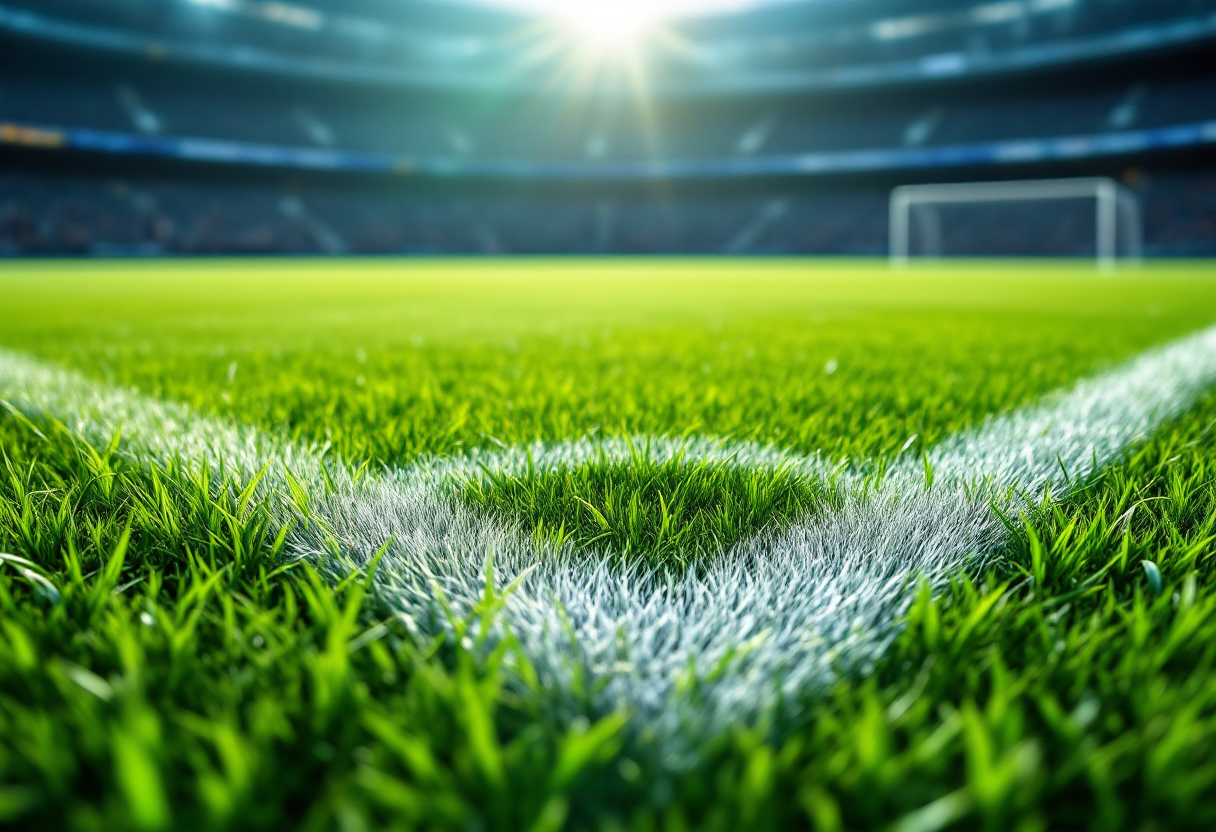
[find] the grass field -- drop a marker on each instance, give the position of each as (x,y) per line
(166,662)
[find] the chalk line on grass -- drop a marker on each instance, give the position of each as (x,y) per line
(772,618)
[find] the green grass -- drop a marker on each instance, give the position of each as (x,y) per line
(391,359)
(161,668)
(666,516)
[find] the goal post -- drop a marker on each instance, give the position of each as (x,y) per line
(920,214)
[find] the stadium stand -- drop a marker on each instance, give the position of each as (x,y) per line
(118,99)
(234,126)
(88,214)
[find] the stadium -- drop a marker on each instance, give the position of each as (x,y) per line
(541,415)
(218,127)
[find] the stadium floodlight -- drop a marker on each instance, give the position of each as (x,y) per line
(609,24)
(919,216)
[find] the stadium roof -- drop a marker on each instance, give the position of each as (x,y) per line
(677,46)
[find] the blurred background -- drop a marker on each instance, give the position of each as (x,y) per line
(153,127)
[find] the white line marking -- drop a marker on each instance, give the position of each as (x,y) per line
(773,618)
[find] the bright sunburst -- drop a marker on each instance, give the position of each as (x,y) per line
(605,24)
(615,23)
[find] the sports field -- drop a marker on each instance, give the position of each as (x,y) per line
(658,544)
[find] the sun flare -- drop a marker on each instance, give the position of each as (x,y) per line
(605,24)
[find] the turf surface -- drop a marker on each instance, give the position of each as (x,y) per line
(160,667)
(668,515)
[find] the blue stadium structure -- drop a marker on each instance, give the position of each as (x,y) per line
(381,126)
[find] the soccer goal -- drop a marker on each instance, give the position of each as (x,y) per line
(1089,217)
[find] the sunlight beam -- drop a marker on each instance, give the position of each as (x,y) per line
(609,25)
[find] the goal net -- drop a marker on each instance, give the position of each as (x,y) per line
(1090,217)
